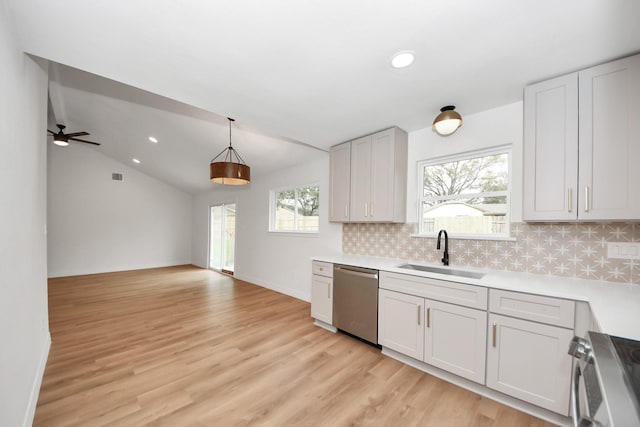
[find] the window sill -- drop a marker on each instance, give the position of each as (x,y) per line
(468,237)
(295,233)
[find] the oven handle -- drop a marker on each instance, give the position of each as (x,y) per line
(575,390)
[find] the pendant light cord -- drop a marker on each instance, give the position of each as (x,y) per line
(231,152)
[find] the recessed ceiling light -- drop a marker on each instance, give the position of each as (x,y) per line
(136,161)
(152,139)
(403,59)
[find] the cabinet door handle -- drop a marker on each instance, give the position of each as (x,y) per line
(371,209)
(366,209)
(418,315)
(570,199)
(346,210)
(586,198)
(494,327)
(428,316)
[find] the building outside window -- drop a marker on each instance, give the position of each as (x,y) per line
(295,209)
(467,194)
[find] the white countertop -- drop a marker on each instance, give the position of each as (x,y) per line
(615,306)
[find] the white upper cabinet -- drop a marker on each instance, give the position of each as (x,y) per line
(360,179)
(551,149)
(610,140)
(339,182)
(376,178)
(383,194)
(582,145)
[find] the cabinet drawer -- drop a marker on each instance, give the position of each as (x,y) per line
(322,268)
(440,290)
(553,311)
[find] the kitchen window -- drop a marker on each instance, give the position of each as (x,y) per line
(295,210)
(468,195)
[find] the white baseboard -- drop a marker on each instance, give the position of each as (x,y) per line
(274,287)
(324,325)
(82,272)
(35,389)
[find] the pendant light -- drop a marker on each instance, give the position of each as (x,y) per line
(230,169)
(448,121)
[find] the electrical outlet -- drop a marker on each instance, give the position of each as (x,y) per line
(623,250)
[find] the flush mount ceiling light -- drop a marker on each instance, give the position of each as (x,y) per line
(448,121)
(403,59)
(230,169)
(136,161)
(154,140)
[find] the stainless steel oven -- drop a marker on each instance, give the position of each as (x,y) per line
(605,389)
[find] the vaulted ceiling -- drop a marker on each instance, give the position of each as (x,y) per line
(296,74)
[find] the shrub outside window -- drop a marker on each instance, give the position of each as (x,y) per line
(295,210)
(468,195)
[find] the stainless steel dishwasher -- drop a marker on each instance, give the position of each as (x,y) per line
(355,301)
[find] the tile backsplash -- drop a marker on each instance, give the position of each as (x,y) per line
(558,249)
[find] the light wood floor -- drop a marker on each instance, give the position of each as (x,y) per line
(183,346)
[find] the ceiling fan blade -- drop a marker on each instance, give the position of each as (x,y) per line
(71,135)
(51,132)
(84,140)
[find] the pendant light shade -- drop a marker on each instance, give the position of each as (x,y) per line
(230,169)
(448,121)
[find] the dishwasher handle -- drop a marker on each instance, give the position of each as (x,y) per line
(355,271)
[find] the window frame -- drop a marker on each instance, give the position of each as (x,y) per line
(272,210)
(467,155)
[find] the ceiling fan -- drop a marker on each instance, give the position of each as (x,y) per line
(62,139)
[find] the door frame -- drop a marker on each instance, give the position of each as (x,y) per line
(209,267)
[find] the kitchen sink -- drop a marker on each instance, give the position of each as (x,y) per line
(441,270)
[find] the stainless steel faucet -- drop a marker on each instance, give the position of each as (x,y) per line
(445,257)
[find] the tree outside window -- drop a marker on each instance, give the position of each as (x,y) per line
(296,209)
(467,195)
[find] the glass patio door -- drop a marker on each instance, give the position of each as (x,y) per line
(222,237)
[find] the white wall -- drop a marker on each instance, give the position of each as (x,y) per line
(98,225)
(498,126)
(274,260)
(24,326)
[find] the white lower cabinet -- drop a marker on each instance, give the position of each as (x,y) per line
(444,335)
(321,299)
(529,361)
(322,293)
(455,339)
(400,323)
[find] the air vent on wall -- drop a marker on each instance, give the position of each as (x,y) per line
(116,176)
